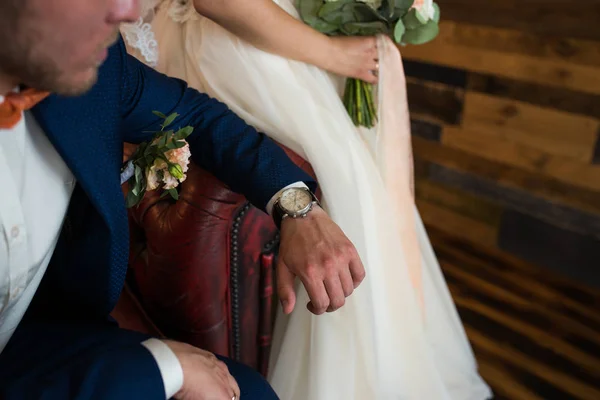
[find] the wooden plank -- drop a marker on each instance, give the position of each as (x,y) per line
(553,131)
(493,145)
(421,168)
(519,42)
(504,382)
(460,202)
(565,336)
(518,199)
(542,286)
(461,226)
(596,156)
(543,345)
(522,67)
(435,73)
(564,251)
(507,175)
(426,129)
(546,96)
(561,379)
(434,101)
(542,17)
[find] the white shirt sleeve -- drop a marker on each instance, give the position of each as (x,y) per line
(276,196)
(168,364)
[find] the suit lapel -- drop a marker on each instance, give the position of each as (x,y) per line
(85,132)
(86,137)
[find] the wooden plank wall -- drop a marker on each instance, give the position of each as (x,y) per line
(505,106)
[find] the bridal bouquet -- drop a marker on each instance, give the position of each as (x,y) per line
(406,21)
(162,163)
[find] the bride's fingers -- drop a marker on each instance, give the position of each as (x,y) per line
(369,77)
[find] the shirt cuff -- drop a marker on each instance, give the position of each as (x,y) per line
(168,364)
(276,196)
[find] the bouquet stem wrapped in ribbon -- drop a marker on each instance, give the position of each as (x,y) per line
(406,21)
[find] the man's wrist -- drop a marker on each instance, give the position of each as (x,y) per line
(168,364)
(277,195)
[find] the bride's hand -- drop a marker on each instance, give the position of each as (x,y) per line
(354,57)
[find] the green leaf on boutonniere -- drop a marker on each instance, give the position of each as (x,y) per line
(175,145)
(148,160)
(423,34)
(133,199)
(169,120)
(159,114)
(184,132)
(174,193)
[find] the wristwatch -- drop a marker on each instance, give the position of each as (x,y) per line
(293,203)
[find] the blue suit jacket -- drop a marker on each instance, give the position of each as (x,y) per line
(90,261)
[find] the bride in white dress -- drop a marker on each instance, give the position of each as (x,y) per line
(399,335)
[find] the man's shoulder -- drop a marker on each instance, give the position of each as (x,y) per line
(111,72)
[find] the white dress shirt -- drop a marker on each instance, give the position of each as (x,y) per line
(36,189)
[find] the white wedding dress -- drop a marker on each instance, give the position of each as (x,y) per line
(399,336)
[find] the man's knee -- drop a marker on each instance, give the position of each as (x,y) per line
(252,385)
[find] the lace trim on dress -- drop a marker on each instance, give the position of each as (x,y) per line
(140,36)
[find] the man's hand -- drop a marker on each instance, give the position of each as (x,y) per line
(316,250)
(204,376)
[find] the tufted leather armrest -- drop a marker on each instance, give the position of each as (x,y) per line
(202,267)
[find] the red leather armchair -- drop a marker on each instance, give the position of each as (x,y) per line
(202,269)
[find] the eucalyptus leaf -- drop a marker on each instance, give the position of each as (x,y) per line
(159,114)
(402,6)
(412,20)
(423,34)
(364,28)
(335,13)
(324,26)
(364,13)
(331,7)
(436,13)
(399,31)
(308,9)
(387,8)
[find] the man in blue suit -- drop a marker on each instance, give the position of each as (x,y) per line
(64,235)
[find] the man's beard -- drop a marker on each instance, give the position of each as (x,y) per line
(32,68)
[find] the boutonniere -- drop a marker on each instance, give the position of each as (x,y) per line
(161,163)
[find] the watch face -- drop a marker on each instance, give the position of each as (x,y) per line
(295,200)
